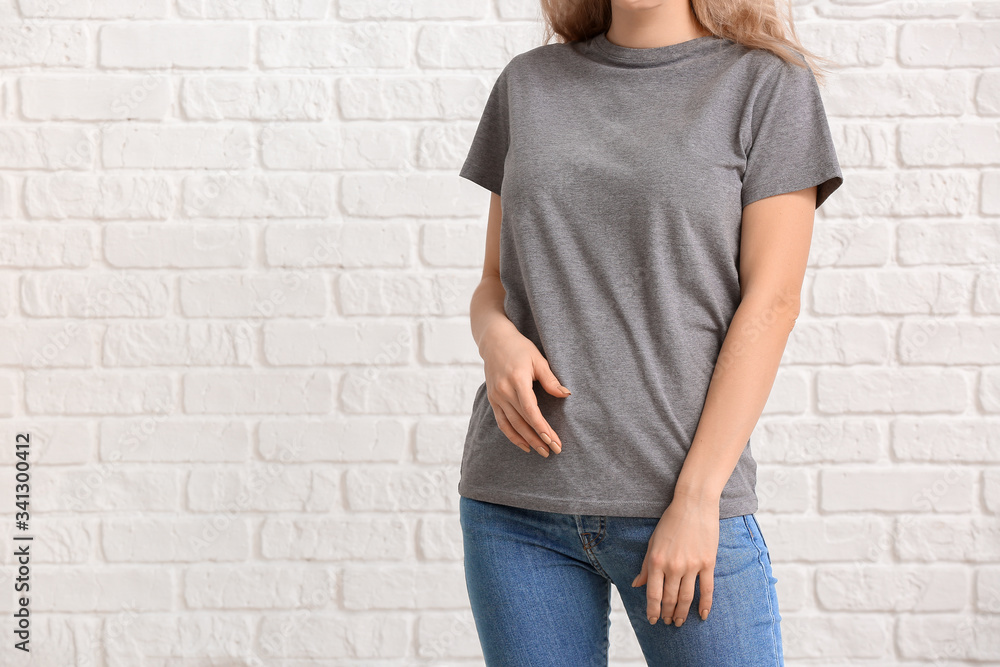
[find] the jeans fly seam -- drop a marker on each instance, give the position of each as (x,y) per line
(594,540)
(590,540)
(770,608)
(592,557)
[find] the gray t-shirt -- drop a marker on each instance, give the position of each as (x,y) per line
(624,173)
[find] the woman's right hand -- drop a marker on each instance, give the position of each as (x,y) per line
(512,364)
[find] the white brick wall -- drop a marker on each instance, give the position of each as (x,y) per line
(235,266)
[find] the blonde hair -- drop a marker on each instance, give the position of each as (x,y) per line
(756,24)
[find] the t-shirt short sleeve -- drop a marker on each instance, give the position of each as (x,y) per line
(791,147)
(485,160)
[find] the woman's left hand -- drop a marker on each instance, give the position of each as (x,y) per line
(684,545)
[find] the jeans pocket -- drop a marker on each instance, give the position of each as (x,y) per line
(760,534)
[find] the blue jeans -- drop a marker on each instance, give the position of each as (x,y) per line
(540,587)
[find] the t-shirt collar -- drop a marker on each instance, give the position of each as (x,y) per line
(649,57)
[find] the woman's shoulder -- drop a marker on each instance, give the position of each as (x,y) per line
(761,62)
(538,64)
(542,54)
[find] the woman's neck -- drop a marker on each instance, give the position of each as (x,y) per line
(640,27)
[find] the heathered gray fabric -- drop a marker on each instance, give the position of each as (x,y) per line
(622,174)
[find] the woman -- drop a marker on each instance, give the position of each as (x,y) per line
(656,174)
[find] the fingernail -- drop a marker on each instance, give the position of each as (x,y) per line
(652,620)
(545,438)
(543,452)
(704,614)
(678,621)
(564,390)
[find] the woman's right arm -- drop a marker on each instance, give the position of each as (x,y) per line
(511,361)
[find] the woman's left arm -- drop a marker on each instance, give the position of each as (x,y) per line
(774,249)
